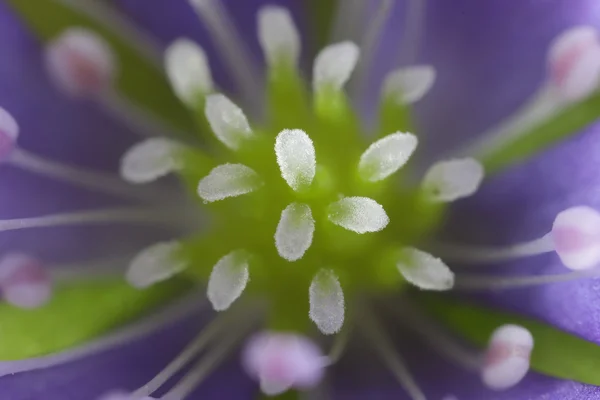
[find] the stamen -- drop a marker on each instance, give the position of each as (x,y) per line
(227,121)
(206,365)
(339,346)
(435,335)
(91,270)
(474,255)
(574,62)
(334,65)
(171,313)
(576,237)
(368,45)
(295,230)
(347,18)
(81,63)
(425,271)
(122,396)
(24,281)
(296,158)
(381,342)
(228,180)
(280,361)
(155,264)
(229,42)
(187,67)
(358,214)
(408,85)
(106,15)
(278,35)
(218,325)
(487,282)
(108,216)
(386,156)
(228,280)
(448,181)
(79,176)
(413,31)
(507,358)
(326,302)
(9,133)
(149,160)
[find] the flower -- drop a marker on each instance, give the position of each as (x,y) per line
(312,188)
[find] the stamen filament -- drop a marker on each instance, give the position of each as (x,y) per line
(475,282)
(215,327)
(346,24)
(413,32)
(89,270)
(240,62)
(177,310)
(381,342)
(339,345)
(138,119)
(475,255)
(104,14)
(435,336)
(93,180)
(118,215)
(207,363)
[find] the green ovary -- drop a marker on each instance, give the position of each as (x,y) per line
(364,263)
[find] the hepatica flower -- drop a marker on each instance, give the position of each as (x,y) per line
(312,232)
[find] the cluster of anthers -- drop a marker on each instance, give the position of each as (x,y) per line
(269,188)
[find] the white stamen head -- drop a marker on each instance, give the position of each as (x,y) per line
(80,62)
(278,35)
(123,396)
(228,280)
(227,121)
(451,180)
(9,133)
(149,160)
(296,158)
(574,62)
(188,71)
(155,264)
(228,180)
(409,84)
(507,357)
(326,302)
(576,237)
(24,281)
(294,232)
(386,156)
(281,361)
(425,271)
(334,65)
(358,214)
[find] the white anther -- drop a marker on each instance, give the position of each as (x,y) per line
(358,214)
(409,84)
(425,271)
(278,35)
(334,65)
(150,160)
(294,232)
(227,121)
(576,237)
(188,71)
(451,180)
(326,302)
(507,357)
(386,156)
(154,264)
(296,158)
(228,280)
(228,180)
(81,62)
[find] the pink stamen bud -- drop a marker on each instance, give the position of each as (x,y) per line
(80,62)
(507,357)
(574,62)
(281,361)
(24,282)
(576,236)
(9,132)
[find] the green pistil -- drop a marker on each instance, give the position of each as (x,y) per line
(364,263)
